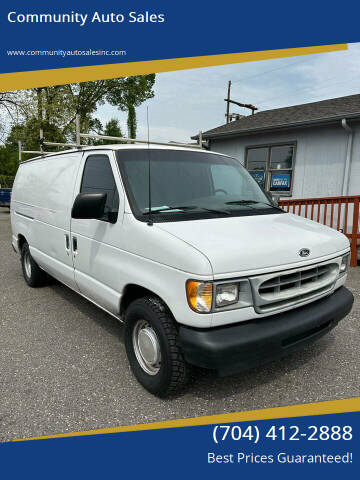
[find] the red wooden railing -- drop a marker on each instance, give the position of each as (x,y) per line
(341,213)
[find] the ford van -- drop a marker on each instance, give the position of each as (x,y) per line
(184,247)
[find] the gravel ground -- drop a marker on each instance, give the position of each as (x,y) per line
(63,365)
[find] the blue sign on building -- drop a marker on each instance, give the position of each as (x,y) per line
(280,182)
(259,177)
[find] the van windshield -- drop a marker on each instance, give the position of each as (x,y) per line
(186,185)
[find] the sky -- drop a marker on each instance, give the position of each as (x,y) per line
(191,100)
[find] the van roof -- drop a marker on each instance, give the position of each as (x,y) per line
(124,146)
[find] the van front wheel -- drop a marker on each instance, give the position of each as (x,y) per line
(152,347)
(34,276)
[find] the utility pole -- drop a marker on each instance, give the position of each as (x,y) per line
(228,103)
(245,105)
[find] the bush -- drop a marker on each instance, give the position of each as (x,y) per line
(6,181)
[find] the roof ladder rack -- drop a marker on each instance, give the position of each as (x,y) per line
(35,152)
(80,135)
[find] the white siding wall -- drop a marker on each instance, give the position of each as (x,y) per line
(354,184)
(320,158)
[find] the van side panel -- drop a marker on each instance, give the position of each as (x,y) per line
(41,210)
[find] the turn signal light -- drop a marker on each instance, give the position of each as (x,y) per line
(200,296)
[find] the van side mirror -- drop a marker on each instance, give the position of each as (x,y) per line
(89,206)
(274,198)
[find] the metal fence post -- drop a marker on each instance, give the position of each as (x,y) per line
(354,234)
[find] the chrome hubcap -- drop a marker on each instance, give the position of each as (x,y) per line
(27,264)
(146,347)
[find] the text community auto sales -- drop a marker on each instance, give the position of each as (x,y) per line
(84,18)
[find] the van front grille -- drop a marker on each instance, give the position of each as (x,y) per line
(283,289)
(286,282)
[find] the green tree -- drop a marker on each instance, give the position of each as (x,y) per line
(9,162)
(54,110)
(135,90)
(10,103)
(131,121)
(29,134)
(59,105)
(112,129)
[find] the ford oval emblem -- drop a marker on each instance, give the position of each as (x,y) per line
(304,252)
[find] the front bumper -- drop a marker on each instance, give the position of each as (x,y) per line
(234,348)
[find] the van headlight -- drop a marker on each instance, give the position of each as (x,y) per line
(206,297)
(226,294)
(344,266)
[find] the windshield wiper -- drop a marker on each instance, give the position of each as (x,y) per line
(155,210)
(252,202)
(214,210)
(187,207)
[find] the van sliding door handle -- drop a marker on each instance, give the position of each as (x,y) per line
(74,240)
(67,243)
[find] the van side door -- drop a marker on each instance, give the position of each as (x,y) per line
(95,242)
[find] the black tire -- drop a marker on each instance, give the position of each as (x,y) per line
(34,276)
(173,371)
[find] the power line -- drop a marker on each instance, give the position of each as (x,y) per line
(347,81)
(270,71)
(264,102)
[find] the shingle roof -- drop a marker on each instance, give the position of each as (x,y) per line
(297,115)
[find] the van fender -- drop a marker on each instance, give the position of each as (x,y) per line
(144,277)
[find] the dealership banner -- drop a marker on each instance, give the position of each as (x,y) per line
(312,441)
(47,44)
(90,41)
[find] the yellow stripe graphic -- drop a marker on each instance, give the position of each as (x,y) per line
(61,76)
(320,408)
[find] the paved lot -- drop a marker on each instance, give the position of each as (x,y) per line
(63,365)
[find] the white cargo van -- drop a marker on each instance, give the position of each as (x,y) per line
(203,268)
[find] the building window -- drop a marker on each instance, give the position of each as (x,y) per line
(272,167)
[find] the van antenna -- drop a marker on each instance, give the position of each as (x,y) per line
(150,222)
